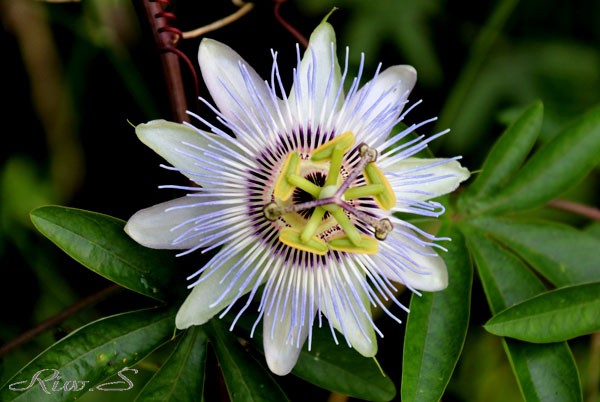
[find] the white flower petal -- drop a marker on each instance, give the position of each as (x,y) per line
(242,164)
(169,140)
(345,312)
(282,344)
(318,76)
(151,227)
(405,260)
(382,100)
(199,306)
(423,179)
(233,84)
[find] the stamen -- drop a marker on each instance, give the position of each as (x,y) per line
(367,245)
(284,189)
(347,226)
(332,198)
(325,151)
(312,224)
(292,238)
(335,165)
(373,175)
(303,184)
(363,191)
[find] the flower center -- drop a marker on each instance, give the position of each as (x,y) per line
(329,207)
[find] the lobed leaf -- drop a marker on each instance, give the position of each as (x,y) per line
(543,372)
(436,329)
(554,168)
(562,254)
(246,379)
(79,362)
(99,243)
(181,377)
(554,316)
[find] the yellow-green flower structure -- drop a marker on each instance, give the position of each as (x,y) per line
(297,195)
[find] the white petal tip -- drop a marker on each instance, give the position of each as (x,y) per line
(281,352)
(434,282)
(152,227)
(148,131)
(181,323)
(206,45)
(211,51)
(280,365)
(407,76)
(366,348)
(187,317)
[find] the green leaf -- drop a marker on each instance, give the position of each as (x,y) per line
(99,243)
(334,367)
(436,329)
(506,279)
(544,372)
(553,316)
(508,153)
(561,253)
(181,378)
(90,355)
(555,168)
(246,379)
(340,369)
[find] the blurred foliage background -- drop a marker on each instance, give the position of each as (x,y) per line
(78,74)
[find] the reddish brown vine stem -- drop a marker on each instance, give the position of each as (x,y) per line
(166,38)
(58,318)
(576,208)
(299,37)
